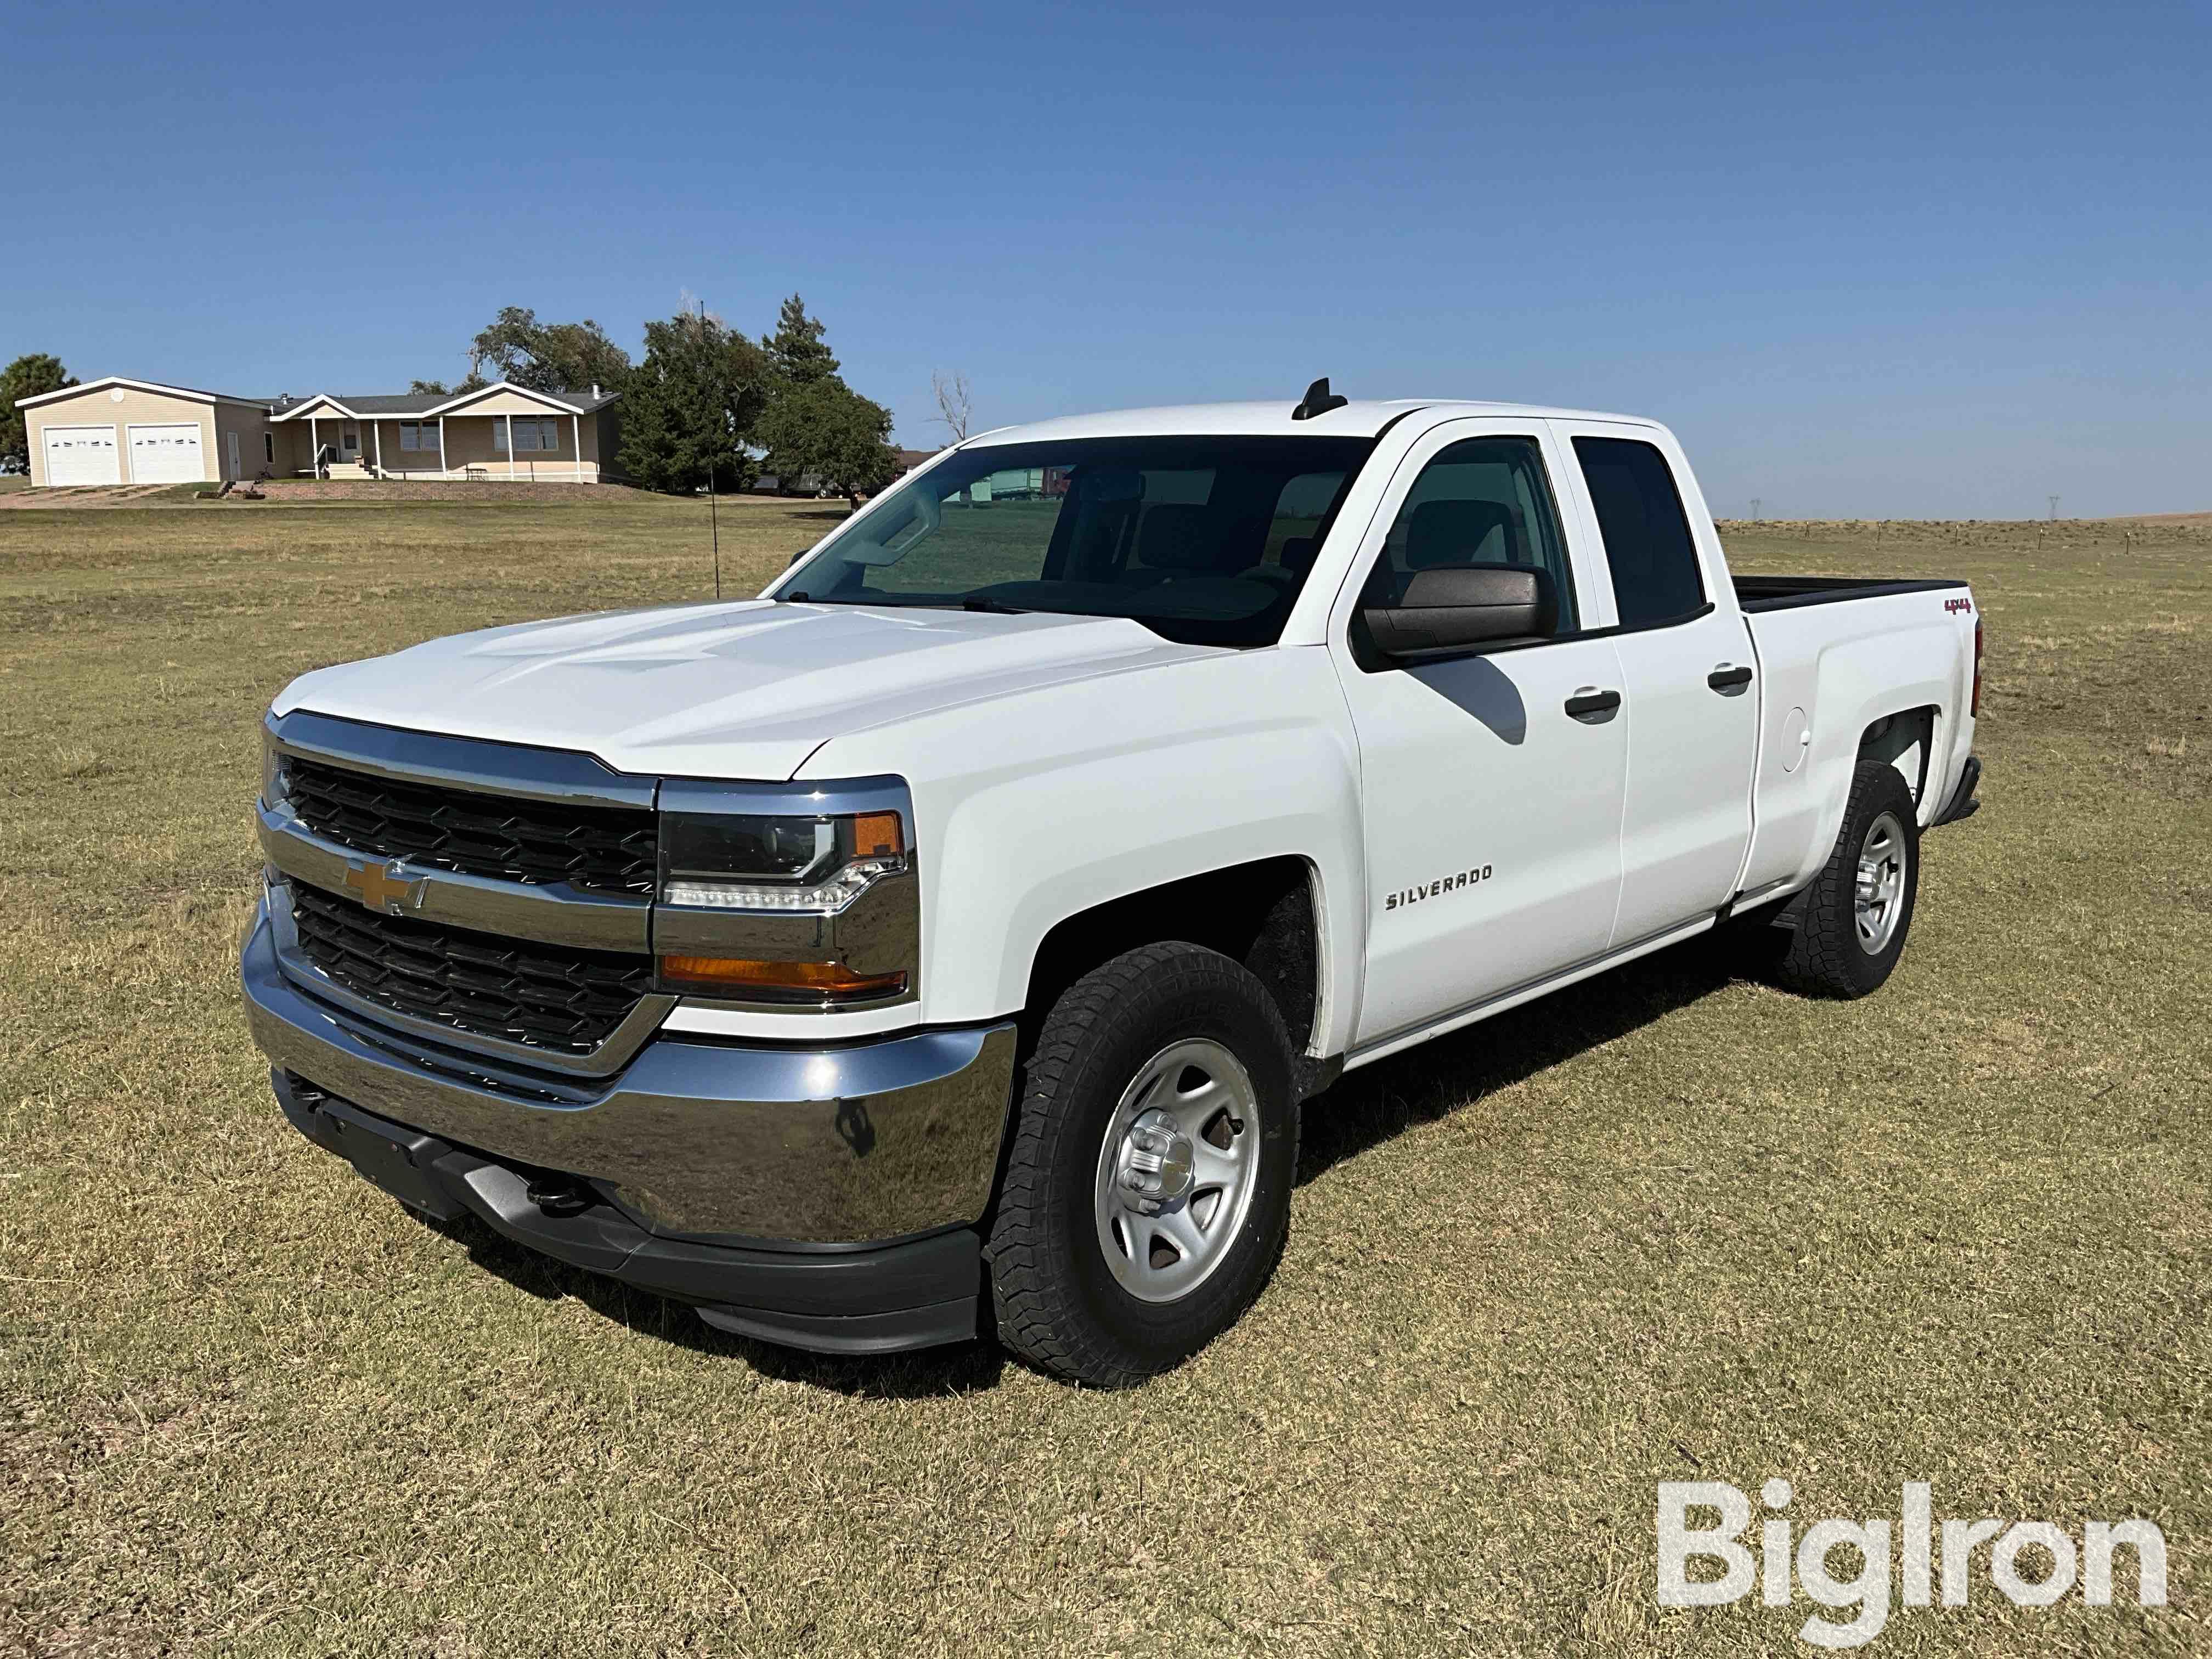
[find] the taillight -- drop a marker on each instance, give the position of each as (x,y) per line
(1975,708)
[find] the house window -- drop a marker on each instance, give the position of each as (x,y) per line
(418,434)
(269,447)
(529,434)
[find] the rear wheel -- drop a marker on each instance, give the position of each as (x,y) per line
(1148,1186)
(1852,923)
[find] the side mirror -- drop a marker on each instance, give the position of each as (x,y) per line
(1453,608)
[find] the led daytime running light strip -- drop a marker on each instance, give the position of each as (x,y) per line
(827,898)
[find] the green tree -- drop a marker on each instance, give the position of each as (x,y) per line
(32,373)
(826,430)
(797,348)
(690,407)
(545,357)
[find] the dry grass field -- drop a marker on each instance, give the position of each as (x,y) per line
(1667,1225)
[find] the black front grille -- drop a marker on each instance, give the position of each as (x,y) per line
(601,849)
(548,996)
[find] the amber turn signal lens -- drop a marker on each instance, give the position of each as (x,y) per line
(878,835)
(805,978)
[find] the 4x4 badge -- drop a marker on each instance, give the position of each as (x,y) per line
(384,886)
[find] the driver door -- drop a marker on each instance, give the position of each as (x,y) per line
(1492,814)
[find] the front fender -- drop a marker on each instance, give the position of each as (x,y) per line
(1035,807)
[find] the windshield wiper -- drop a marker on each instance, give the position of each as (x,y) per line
(975,602)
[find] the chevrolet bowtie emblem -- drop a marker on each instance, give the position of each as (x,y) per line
(384,886)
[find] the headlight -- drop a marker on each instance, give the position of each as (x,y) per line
(765,902)
(751,862)
(272,767)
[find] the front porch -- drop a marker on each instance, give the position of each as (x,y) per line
(501,434)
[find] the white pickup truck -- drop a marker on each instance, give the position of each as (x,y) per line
(947,941)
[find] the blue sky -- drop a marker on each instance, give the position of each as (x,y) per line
(1910,261)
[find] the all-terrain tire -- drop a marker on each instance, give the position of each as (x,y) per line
(1828,955)
(1056,1299)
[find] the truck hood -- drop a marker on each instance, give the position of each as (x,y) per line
(740,690)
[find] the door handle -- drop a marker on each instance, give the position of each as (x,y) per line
(1593,707)
(1729,680)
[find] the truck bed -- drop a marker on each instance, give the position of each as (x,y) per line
(1757,593)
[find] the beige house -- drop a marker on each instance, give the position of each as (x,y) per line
(119,431)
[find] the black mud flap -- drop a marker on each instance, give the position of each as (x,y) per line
(1963,803)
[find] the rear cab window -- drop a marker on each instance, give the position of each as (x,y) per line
(1657,577)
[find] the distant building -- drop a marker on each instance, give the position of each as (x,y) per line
(117,431)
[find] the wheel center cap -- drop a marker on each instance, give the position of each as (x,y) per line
(1158,1163)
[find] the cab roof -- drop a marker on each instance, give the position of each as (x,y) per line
(1361,418)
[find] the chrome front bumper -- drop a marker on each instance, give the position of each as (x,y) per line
(725,1143)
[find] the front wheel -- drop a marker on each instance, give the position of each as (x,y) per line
(1852,923)
(1148,1186)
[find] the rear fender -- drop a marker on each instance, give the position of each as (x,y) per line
(1823,698)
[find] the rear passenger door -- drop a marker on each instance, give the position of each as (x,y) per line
(1492,815)
(1691,708)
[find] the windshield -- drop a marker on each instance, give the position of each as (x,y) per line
(1204,540)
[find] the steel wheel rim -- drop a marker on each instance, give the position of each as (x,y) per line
(1879,898)
(1178,1169)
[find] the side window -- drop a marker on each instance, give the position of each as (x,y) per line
(1647,535)
(1481,500)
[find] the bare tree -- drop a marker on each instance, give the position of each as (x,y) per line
(953,408)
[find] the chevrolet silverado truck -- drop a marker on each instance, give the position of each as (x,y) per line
(945,943)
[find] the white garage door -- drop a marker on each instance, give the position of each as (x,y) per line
(166,454)
(83,455)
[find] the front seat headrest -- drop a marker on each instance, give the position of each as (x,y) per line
(1444,533)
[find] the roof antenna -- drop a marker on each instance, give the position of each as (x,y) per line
(1318,400)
